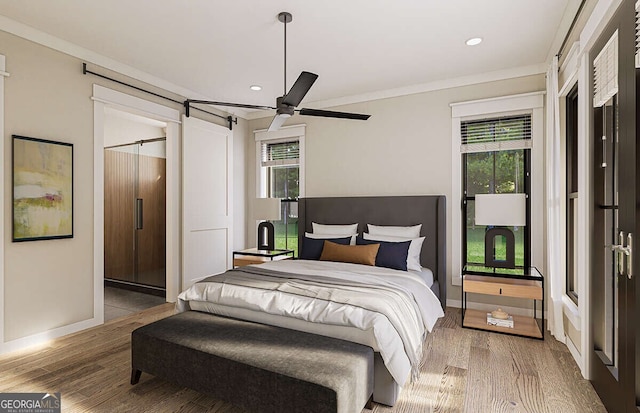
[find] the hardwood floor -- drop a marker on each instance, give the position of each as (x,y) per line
(119,302)
(464,371)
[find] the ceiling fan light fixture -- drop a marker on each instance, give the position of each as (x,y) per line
(286,104)
(474,41)
(283,109)
(286,112)
(277,121)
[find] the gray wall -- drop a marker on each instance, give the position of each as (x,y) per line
(403,149)
(49,284)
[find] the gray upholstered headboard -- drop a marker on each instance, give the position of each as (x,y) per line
(428,210)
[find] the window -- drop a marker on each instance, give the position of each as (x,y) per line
(281,160)
(503,108)
(572,192)
(282,163)
(281,175)
(495,160)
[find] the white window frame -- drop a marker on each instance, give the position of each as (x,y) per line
(295,132)
(492,108)
(568,74)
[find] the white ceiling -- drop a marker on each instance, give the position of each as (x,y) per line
(217,49)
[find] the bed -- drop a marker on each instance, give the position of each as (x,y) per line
(428,210)
(271,294)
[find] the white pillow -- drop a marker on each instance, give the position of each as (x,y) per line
(330,236)
(413,256)
(334,229)
(412,231)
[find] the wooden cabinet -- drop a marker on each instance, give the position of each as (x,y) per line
(526,286)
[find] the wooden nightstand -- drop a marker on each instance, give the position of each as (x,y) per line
(256,256)
(527,286)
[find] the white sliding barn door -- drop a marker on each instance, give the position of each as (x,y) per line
(207,184)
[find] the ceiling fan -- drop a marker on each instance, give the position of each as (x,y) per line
(286,104)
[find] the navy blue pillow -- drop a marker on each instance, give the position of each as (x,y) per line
(391,254)
(312,248)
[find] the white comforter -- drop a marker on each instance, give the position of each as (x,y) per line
(397,306)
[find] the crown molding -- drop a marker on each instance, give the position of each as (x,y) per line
(512,73)
(71,49)
(29,33)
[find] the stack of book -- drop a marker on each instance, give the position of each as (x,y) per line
(492,321)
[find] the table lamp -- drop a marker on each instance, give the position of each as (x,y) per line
(266,209)
(500,211)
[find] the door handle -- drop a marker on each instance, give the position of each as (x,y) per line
(624,254)
(619,250)
(629,254)
(603,164)
(139,217)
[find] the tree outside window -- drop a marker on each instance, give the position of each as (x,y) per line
(281,159)
(495,161)
(496,172)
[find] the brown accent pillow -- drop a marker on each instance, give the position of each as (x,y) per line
(356,254)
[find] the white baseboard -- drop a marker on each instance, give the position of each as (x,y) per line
(40,338)
(576,355)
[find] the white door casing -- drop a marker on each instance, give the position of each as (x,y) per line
(104,97)
(207,200)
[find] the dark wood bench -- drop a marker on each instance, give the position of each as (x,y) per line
(261,368)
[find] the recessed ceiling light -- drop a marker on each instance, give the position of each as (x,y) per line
(474,41)
(255,87)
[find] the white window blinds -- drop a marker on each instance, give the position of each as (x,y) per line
(496,134)
(605,72)
(282,153)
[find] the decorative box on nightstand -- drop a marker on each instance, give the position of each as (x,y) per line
(256,256)
(506,283)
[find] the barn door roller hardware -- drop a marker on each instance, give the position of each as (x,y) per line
(187,106)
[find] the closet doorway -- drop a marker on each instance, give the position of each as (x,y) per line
(134,205)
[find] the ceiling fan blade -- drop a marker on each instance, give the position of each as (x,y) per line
(277,121)
(299,89)
(332,114)
(234,105)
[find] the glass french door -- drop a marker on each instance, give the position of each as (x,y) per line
(614,372)
(135,214)
(607,263)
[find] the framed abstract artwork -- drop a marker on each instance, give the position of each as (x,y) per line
(42,189)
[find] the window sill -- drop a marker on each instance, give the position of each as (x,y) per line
(571,311)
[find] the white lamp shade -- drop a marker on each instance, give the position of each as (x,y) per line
(266,209)
(508,210)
